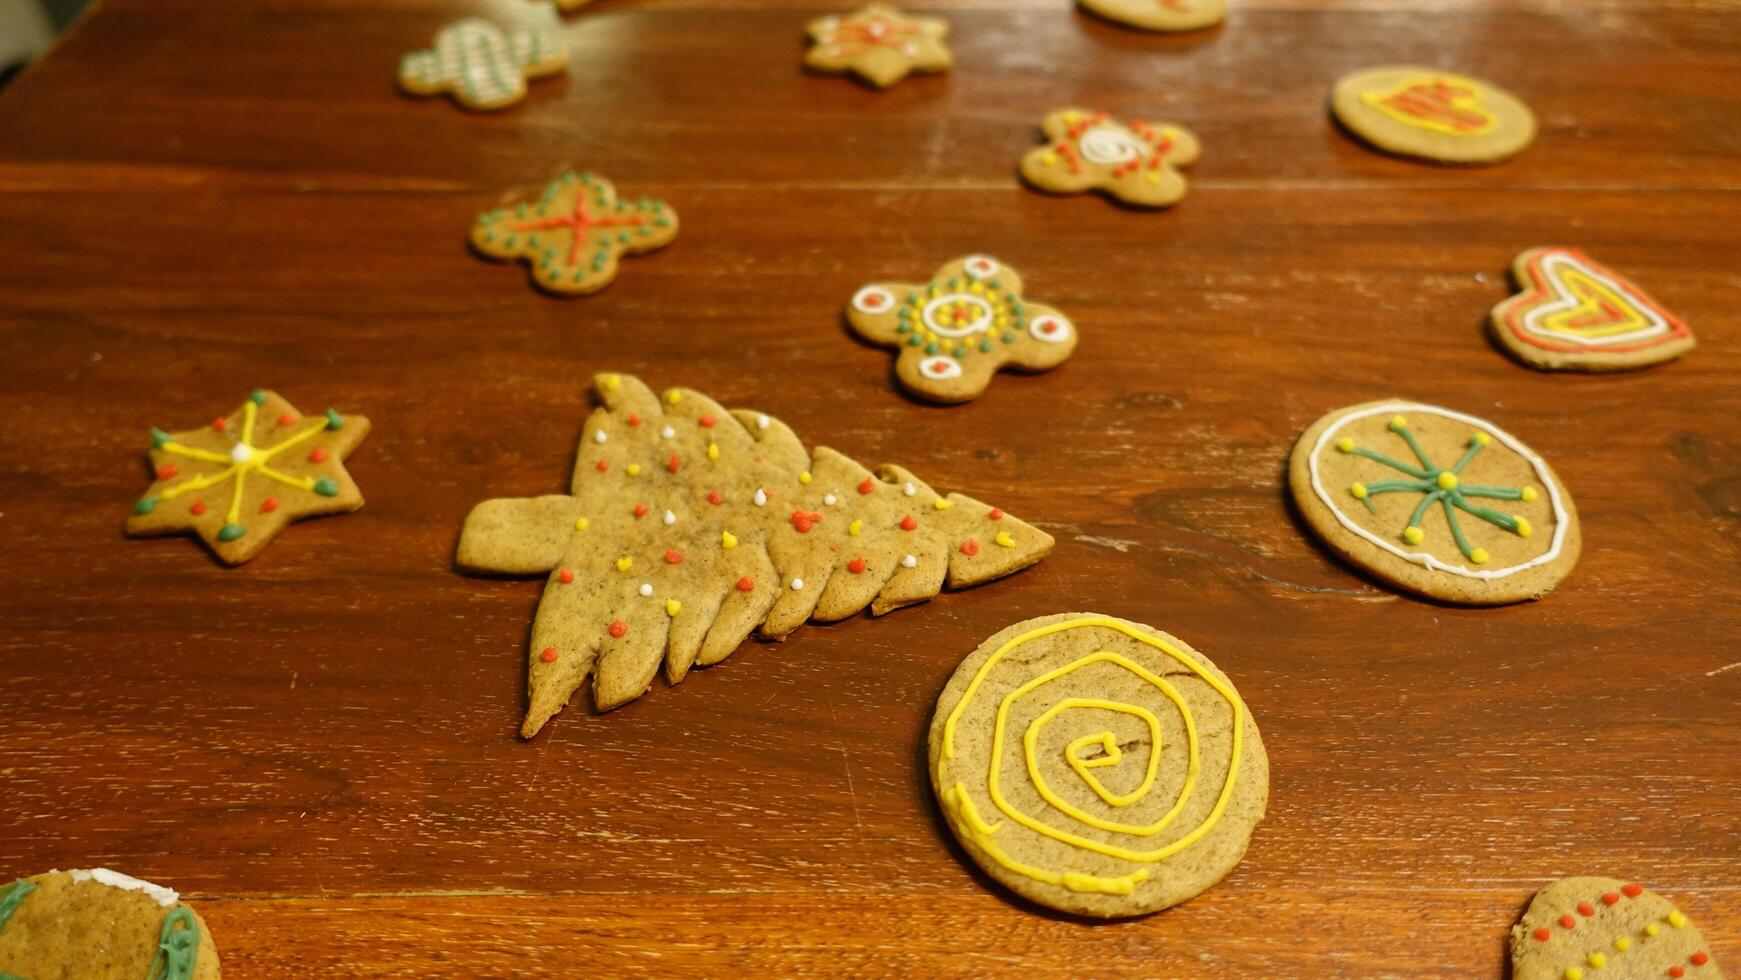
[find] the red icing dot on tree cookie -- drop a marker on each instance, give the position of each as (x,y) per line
(1610,898)
(566,576)
(970,547)
(167,470)
(1543,934)
(198,508)
(634,419)
(286,418)
(673,556)
(673,464)
(318,456)
(548,655)
(907,523)
(745,585)
(707,421)
(268,505)
(603,464)
(856,566)
(1700,958)
(996,515)
(803,520)
(640,510)
(619,628)
(715,497)
(1568,922)
(867,486)
(1633,890)
(1585,908)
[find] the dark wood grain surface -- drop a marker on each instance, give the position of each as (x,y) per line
(319,748)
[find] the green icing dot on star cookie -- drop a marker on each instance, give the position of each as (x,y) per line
(230,532)
(326,486)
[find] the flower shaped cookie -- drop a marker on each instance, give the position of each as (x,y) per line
(483,66)
(1134,162)
(575,233)
(878,43)
(959,329)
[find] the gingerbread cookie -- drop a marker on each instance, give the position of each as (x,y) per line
(1433,115)
(481,65)
(1405,491)
(240,480)
(1597,928)
(879,44)
(574,235)
(1134,162)
(689,525)
(100,925)
(959,329)
(1096,765)
(1161,15)
(1576,315)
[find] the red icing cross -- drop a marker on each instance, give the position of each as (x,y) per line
(581,222)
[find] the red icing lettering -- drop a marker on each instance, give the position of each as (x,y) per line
(619,628)
(970,547)
(856,566)
(745,585)
(318,455)
(907,523)
(548,655)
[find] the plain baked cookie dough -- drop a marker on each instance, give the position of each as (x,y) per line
(1601,928)
(1436,502)
(1096,765)
(1160,15)
(1433,115)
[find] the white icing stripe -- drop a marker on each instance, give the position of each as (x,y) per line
(939,368)
(1420,557)
(1051,328)
(873,299)
(115,879)
(1551,268)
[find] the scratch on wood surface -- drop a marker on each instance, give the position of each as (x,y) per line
(1120,545)
(1723,670)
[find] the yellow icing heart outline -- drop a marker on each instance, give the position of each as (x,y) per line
(1589,293)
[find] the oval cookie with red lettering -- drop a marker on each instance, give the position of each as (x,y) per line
(1594,928)
(101,925)
(1096,765)
(1433,115)
(1573,314)
(1437,502)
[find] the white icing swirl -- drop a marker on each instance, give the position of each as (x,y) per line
(1107,144)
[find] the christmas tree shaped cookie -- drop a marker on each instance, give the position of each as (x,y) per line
(240,480)
(101,925)
(690,525)
(1574,314)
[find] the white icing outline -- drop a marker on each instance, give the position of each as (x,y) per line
(1046,338)
(1561,521)
(888,300)
(163,896)
(967,267)
(1107,144)
(1531,320)
(951,368)
(980,323)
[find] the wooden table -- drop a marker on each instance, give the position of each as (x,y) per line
(319,748)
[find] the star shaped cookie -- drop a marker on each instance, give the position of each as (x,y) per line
(878,43)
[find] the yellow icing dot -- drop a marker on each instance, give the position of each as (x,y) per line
(712,451)
(1652,929)
(804,477)
(1050,159)
(1447,481)
(673,607)
(1523,528)
(1152,176)
(581,524)
(613,382)
(634,469)
(728,540)
(1480,438)
(940,504)
(1398,422)
(854,527)
(673,396)
(1345,445)
(1003,538)
(1413,535)
(1358,490)
(1598,960)
(1478,556)
(978,289)
(1676,919)
(1622,944)
(1529,493)
(1573,973)
(625,563)
(1072,116)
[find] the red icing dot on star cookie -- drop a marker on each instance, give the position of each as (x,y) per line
(1543,934)
(566,576)
(286,419)
(673,464)
(715,497)
(970,547)
(673,556)
(856,566)
(996,515)
(318,455)
(220,424)
(867,486)
(1633,890)
(1610,898)
(167,470)
(706,421)
(640,510)
(619,628)
(1586,909)
(745,585)
(198,508)
(907,523)
(268,505)
(548,655)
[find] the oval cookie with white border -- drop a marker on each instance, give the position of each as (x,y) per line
(101,925)
(1436,502)
(1595,928)
(1574,314)
(1096,765)
(1433,115)
(1161,15)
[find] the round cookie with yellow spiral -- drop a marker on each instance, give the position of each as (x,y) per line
(1096,765)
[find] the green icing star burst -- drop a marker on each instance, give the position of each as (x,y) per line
(1440,486)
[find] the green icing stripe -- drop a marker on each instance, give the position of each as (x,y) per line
(11,896)
(177,946)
